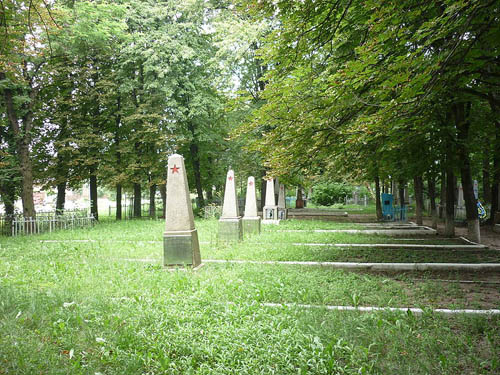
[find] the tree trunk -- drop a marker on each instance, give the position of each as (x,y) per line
(495,204)
(137,200)
(449,229)
(486,175)
(431,182)
(118,201)
(22,139)
(378,203)
(163,192)
(61,197)
(210,195)
(152,202)
(118,120)
(442,200)
(419,198)
(462,124)
(93,193)
(8,194)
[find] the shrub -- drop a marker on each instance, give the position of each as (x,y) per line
(329,193)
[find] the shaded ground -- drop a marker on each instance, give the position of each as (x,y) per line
(488,237)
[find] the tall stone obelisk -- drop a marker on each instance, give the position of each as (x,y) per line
(251,220)
(230,220)
(180,240)
(270,211)
(282,210)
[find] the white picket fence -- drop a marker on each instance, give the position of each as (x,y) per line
(23,226)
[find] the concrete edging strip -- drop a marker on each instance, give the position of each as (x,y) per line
(395,246)
(414,310)
(376,266)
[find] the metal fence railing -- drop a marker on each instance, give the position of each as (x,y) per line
(24,226)
(7,221)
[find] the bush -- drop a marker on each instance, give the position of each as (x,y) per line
(329,193)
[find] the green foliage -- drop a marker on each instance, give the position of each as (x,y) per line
(360,89)
(328,193)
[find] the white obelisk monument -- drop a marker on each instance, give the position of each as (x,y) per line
(282,210)
(251,221)
(270,211)
(230,220)
(180,240)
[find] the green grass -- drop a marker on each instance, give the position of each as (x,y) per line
(82,308)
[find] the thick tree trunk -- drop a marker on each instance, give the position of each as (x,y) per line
(61,197)
(137,200)
(22,138)
(118,201)
(378,203)
(27,181)
(495,204)
(462,124)
(419,198)
(486,175)
(401,193)
(442,195)
(8,194)
(431,182)
(93,194)
(152,202)
(449,229)
(163,193)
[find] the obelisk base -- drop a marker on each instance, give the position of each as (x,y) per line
(181,248)
(251,225)
(230,230)
(270,215)
(282,213)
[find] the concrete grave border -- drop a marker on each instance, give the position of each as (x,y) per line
(375,266)
(414,310)
(389,232)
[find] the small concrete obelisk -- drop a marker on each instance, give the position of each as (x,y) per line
(180,240)
(251,221)
(282,210)
(270,214)
(230,220)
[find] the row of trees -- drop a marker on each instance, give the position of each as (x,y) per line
(404,90)
(104,91)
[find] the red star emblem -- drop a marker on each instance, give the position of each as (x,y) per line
(175,169)
(230,178)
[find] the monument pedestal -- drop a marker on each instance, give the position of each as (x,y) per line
(270,215)
(230,229)
(251,225)
(282,213)
(181,248)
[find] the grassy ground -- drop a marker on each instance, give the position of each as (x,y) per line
(84,308)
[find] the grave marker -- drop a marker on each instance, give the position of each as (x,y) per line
(282,211)
(270,212)
(180,239)
(251,220)
(230,220)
